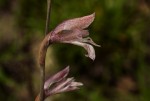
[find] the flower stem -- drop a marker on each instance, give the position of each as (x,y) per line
(42,57)
(42,83)
(48,16)
(43,50)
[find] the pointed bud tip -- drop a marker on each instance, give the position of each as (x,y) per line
(80,84)
(93,14)
(67,68)
(98,45)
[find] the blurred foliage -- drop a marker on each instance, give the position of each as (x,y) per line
(120,71)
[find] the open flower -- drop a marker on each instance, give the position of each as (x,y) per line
(73,32)
(58,83)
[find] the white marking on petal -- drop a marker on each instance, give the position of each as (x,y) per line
(87,47)
(76,84)
(89,40)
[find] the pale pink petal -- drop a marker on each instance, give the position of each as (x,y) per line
(57,77)
(76,84)
(87,47)
(62,84)
(68,88)
(68,85)
(89,40)
(82,22)
(72,35)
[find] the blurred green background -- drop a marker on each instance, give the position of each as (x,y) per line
(121,71)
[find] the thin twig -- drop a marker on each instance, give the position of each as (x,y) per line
(43,50)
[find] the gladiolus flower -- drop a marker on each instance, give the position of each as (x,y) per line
(58,83)
(73,32)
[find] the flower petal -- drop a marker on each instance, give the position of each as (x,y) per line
(68,88)
(87,47)
(56,78)
(76,84)
(82,22)
(67,35)
(89,40)
(63,84)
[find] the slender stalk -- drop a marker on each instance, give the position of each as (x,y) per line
(42,83)
(42,57)
(43,50)
(48,16)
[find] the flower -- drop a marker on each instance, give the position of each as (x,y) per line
(73,32)
(58,83)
